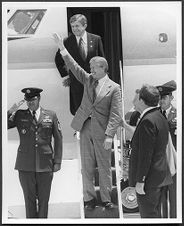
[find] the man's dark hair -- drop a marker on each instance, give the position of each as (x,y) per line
(150,95)
(78,17)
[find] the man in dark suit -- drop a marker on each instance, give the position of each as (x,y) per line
(169,111)
(97,120)
(36,158)
(82,46)
(148,169)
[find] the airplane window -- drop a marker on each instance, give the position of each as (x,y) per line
(24,22)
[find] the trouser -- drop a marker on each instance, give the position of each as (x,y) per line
(36,187)
(149,204)
(92,154)
(169,200)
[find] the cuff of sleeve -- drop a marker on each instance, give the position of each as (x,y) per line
(64,52)
(107,135)
(57,161)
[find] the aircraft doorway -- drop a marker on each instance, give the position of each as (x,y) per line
(104,21)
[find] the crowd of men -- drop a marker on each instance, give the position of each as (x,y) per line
(95,102)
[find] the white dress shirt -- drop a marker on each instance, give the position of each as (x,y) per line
(167,111)
(37,114)
(100,85)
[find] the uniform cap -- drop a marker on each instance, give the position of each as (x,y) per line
(31,92)
(167,88)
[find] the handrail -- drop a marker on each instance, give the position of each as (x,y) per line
(117,156)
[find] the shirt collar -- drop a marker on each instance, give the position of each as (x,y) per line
(37,111)
(146,110)
(101,80)
(168,110)
(84,38)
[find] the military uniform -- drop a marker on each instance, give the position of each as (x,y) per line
(171,118)
(36,156)
(170,193)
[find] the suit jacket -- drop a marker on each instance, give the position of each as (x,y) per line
(134,118)
(35,151)
(94,48)
(172,124)
(148,161)
(105,112)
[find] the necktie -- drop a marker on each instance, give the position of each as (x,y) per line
(164,113)
(81,49)
(94,84)
(34,117)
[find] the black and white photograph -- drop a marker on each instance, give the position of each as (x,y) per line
(91,112)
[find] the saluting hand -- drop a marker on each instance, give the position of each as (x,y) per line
(59,41)
(15,107)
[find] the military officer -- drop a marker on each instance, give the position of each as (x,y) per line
(167,108)
(169,111)
(36,159)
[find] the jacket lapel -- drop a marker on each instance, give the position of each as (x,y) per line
(30,117)
(90,45)
(153,109)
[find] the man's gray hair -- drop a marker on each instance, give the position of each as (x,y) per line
(102,62)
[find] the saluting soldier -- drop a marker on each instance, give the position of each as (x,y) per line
(36,159)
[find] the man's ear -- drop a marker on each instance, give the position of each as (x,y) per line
(85,25)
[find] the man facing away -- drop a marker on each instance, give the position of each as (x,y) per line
(36,158)
(148,170)
(169,111)
(82,46)
(97,120)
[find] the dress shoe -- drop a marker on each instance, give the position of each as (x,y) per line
(108,205)
(90,205)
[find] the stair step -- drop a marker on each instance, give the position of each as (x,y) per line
(101,212)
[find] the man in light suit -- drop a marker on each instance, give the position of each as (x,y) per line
(97,119)
(92,45)
(148,169)
(36,158)
(169,111)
